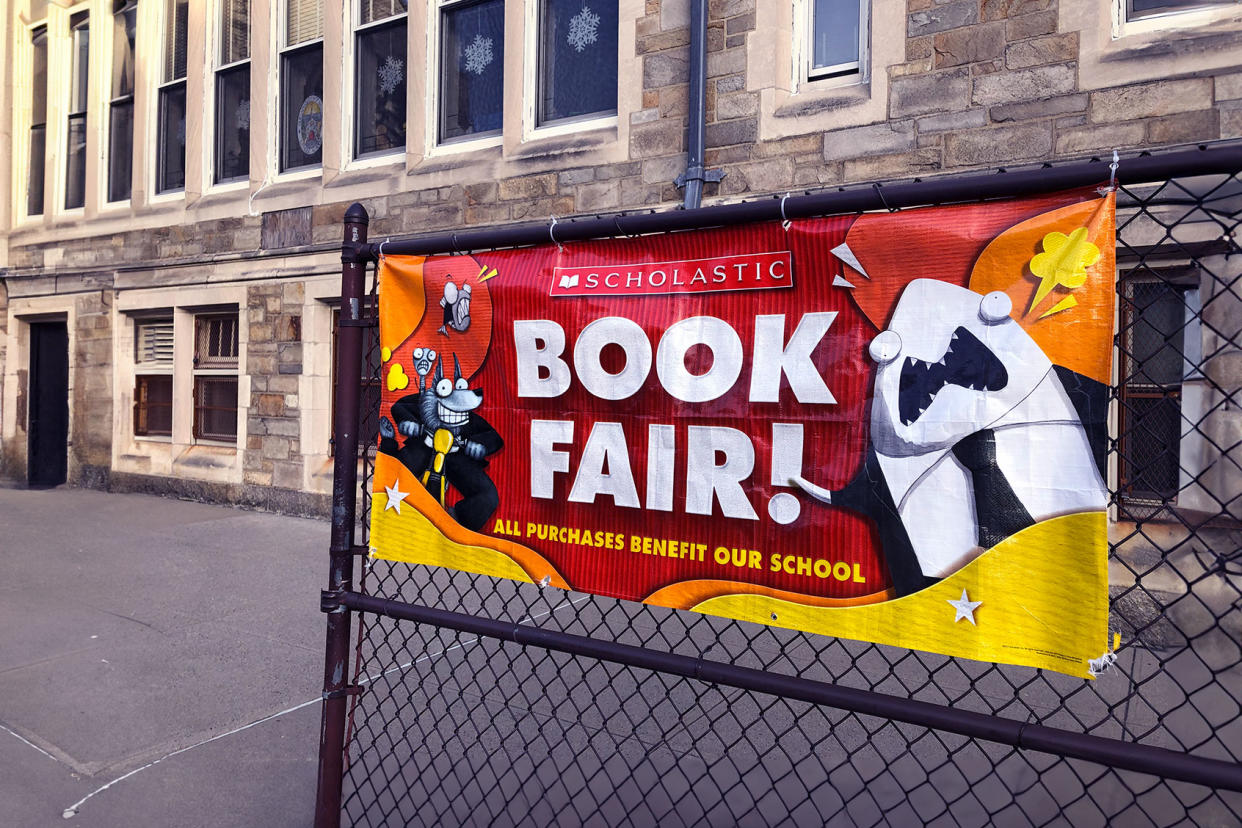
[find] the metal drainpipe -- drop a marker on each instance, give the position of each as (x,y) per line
(696,116)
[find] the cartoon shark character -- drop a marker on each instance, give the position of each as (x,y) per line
(447,441)
(456,304)
(975,434)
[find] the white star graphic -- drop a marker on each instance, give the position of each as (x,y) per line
(965,608)
(395,496)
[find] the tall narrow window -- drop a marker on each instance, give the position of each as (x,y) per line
(170,154)
(121,110)
(301,86)
(153,381)
(233,92)
(1159,337)
(38,121)
(379,77)
(577,59)
(472,59)
(215,377)
(835,38)
(79,75)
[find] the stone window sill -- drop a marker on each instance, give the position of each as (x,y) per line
(811,101)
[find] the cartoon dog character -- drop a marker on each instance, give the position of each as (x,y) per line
(975,434)
(446,439)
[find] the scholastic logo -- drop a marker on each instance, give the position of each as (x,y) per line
(754,271)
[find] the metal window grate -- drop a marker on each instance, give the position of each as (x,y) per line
(216,341)
(453,729)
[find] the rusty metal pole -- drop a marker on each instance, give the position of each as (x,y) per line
(344,508)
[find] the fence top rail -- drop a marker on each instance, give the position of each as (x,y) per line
(1144,167)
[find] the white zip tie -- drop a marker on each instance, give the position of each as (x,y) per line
(552,235)
(1112,175)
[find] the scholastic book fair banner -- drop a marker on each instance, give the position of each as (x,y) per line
(884,427)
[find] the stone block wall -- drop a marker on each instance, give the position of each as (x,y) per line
(273,451)
(979,84)
(90,403)
(984,83)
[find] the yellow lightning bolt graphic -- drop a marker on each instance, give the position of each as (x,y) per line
(1063,263)
(484,275)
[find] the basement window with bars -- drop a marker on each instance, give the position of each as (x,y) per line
(215,377)
(153,380)
(1159,339)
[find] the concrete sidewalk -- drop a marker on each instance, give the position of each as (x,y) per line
(177,642)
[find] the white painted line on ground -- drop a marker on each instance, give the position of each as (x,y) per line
(32,744)
(73,809)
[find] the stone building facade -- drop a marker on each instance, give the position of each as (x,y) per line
(933,88)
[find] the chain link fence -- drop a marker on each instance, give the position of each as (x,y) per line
(453,729)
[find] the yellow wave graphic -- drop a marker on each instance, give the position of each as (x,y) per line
(1043,604)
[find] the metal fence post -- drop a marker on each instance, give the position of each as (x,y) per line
(344,507)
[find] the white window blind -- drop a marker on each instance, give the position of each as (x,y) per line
(372,10)
(234,31)
(304,21)
(155,342)
(176,23)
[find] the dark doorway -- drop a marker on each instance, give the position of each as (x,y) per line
(48,450)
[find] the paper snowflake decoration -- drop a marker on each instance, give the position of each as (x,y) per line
(478,54)
(390,74)
(243,114)
(583,29)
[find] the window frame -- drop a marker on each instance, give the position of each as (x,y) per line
(370,385)
(146,369)
(84,15)
(435,88)
(143,406)
(210,369)
(283,51)
(350,82)
(1183,279)
(532,65)
(163,89)
(115,101)
(847,72)
(220,69)
(26,127)
(1130,16)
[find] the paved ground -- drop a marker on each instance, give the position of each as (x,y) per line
(176,641)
